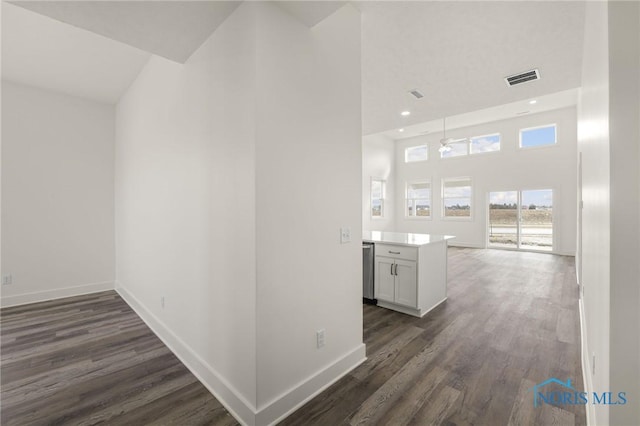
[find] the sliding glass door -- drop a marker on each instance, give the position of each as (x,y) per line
(503,219)
(521,219)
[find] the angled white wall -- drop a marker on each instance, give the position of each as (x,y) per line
(308,171)
(512,168)
(234,175)
(57,195)
(185,206)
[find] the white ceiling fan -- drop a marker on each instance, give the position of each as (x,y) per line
(445,141)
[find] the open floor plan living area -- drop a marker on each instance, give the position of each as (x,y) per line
(320,213)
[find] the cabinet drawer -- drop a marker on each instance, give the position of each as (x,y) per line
(399,252)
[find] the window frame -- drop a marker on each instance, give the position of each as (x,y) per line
(555,132)
(443,198)
(383,186)
(426,146)
(466,155)
(484,136)
(406,200)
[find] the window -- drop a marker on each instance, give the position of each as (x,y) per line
(419,199)
(487,143)
(456,197)
(416,153)
(538,136)
(377,198)
(458,149)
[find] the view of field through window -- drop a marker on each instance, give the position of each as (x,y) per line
(377,198)
(521,219)
(456,197)
(419,199)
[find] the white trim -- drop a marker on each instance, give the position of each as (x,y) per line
(285,404)
(406,199)
(419,313)
(58,293)
(241,409)
(499,135)
(443,210)
(586,365)
(416,146)
(383,190)
(463,244)
(544,126)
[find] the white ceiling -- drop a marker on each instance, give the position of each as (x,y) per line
(39,51)
(171,29)
(310,12)
(457,54)
(564,99)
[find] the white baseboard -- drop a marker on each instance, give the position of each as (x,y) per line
(453,243)
(306,390)
(243,411)
(57,293)
(233,401)
(586,366)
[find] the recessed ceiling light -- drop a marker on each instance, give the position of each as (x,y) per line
(405,113)
(533,102)
(401,130)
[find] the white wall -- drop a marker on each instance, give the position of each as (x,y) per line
(57,195)
(308,171)
(609,139)
(624,145)
(593,144)
(511,168)
(378,161)
(185,207)
(234,175)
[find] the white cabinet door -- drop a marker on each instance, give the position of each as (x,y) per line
(384,279)
(406,288)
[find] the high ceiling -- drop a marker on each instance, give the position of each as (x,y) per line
(171,29)
(456,53)
(39,51)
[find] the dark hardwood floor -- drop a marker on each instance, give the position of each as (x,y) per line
(91,360)
(511,321)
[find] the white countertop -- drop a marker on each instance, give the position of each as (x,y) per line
(405,239)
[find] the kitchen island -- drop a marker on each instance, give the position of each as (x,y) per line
(410,270)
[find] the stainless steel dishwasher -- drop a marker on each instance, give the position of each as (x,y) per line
(368,253)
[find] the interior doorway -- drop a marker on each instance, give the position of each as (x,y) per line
(521,220)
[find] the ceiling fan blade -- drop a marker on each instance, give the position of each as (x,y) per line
(458,140)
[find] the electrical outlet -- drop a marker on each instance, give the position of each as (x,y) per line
(345,235)
(320,338)
(7,279)
(162,302)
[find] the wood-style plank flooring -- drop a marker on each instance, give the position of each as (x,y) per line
(91,360)
(511,321)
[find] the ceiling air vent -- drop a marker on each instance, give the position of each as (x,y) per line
(523,77)
(416,93)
